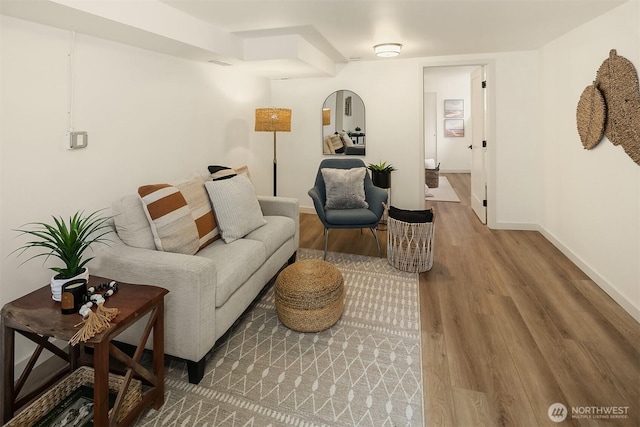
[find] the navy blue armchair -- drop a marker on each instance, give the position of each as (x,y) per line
(348,218)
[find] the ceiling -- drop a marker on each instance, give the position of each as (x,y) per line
(305,38)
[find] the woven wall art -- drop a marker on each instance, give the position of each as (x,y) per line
(616,86)
(591,116)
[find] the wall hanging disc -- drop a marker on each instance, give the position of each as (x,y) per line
(591,115)
(618,81)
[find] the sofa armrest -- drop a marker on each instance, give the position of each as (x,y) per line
(190,279)
(282,206)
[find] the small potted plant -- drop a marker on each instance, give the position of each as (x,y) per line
(381,174)
(67,242)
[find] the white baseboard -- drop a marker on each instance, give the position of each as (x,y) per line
(607,287)
(454,171)
(307,209)
(524,226)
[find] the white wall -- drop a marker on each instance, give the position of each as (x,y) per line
(392,93)
(150,118)
(591,203)
(453,153)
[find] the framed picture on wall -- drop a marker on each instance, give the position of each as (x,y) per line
(454,108)
(453,127)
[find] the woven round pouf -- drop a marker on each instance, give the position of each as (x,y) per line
(309,295)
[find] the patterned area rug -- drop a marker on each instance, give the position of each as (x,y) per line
(363,371)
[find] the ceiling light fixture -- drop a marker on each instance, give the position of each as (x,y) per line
(387,50)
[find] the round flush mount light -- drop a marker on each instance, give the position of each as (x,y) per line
(387,50)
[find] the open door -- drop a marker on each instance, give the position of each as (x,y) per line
(478,146)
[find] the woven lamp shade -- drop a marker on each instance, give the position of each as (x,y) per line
(326,116)
(273,120)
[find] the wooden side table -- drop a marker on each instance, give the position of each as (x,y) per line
(37,317)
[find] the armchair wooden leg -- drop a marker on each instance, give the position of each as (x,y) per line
(326,242)
(374,231)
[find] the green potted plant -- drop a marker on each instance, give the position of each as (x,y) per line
(381,174)
(68,242)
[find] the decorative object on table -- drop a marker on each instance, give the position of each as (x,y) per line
(273,120)
(56,398)
(617,83)
(431,173)
(95,322)
(309,295)
(73,295)
(591,116)
(410,239)
(453,128)
(67,242)
(381,174)
(454,108)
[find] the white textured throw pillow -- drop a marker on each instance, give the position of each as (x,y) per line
(344,188)
(236,207)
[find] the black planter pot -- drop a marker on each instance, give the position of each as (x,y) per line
(381,179)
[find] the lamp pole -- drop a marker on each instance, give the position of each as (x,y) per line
(275,166)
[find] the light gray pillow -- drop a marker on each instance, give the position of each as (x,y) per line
(344,188)
(236,207)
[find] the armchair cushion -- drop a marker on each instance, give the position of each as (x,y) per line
(344,188)
(351,217)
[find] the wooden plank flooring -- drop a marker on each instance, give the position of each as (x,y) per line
(509,325)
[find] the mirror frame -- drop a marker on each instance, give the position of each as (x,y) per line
(339,134)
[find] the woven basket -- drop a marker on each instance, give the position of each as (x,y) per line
(309,295)
(432,177)
(82,376)
(410,245)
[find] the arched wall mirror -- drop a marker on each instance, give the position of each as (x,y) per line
(343,124)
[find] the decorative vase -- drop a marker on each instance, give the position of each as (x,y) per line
(56,283)
(381,179)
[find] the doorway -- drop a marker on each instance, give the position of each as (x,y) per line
(454,124)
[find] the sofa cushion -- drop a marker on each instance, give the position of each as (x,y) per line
(235,263)
(221,172)
(198,200)
(236,207)
(344,188)
(131,222)
(274,233)
(172,224)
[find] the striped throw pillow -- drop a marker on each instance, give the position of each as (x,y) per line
(172,224)
(198,200)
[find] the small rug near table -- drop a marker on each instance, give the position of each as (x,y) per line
(444,192)
(363,371)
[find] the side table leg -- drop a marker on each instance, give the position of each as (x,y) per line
(101,385)
(158,355)
(8,379)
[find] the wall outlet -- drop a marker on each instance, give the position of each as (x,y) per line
(76,139)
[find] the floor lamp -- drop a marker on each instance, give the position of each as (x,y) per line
(273,120)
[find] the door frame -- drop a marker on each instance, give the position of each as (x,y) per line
(490,130)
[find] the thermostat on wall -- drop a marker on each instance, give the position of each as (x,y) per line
(76,139)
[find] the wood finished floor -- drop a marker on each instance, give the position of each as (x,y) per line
(509,325)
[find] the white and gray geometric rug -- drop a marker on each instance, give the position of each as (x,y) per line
(363,371)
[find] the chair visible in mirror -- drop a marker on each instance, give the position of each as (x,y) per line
(350,217)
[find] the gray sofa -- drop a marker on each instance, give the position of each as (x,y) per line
(208,291)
